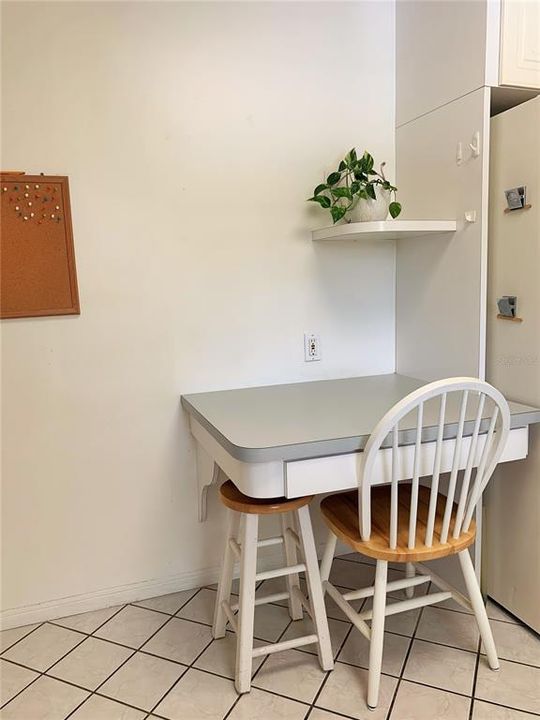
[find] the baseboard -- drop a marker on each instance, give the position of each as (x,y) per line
(122,594)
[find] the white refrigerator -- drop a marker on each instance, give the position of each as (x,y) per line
(511,555)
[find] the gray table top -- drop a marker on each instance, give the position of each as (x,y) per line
(320,418)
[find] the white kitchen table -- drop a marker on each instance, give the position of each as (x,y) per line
(306,438)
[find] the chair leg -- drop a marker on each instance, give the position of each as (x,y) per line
(246,612)
(328,556)
(480,613)
(409,573)
(289,546)
(226,578)
(316,598)
(377,634)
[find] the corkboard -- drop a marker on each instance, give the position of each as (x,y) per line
(37,259)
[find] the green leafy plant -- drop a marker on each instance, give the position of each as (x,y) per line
(355,178)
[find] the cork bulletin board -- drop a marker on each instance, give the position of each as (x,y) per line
(37,258)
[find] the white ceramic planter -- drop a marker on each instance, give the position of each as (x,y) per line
(370,210)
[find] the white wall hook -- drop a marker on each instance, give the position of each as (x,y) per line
(470,216)
(475,144)
(459,153)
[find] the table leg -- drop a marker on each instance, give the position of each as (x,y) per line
(207,475)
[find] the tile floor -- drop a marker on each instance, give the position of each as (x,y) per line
(156,659)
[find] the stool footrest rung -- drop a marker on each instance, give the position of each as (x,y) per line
(264,599)
(285,645)
(280,572)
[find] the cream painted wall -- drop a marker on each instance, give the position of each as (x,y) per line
(192,134)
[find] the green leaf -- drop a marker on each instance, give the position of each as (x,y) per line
(320,188)
(350,158)
(342,192)
(355,187)
(342,166)
(337,213)
(323,201)
(367,162)
(371,191)
(333,178)
(395,209)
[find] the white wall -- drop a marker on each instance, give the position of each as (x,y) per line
(192,134)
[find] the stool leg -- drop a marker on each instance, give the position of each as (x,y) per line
(226,578)
(315,589)
(293,581)
(377,634)
(246,612)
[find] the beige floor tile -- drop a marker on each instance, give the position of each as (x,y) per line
(345,692)
(179,640)
(260,705)
(142,681)
(100,708)
(440,666)
(13,635)
(318,714)
(90,663)
(13,678)
(198,696)
(452,605)
(132,626)
(45,699)
(496,612)
(169,604)
(338,630)
(89,621)
(486,711)
(200,608)
(220,657)
(356,652)
(294,674)
(450,628)
(516,686)
(43,647)
(351,575)
(416,702)
(515,642)
(270,622)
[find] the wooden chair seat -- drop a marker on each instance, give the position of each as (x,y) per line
(232,498)
(341,515)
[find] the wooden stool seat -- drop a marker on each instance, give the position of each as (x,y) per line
(232,498)
(341,514)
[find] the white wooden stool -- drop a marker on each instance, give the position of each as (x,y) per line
(242,543)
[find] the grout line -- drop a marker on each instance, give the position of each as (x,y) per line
(22,638)
(471,707)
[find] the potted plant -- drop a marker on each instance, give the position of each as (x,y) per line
(357,191)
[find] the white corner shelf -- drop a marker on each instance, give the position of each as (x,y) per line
(385,230)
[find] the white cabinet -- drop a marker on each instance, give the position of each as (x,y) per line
(519,63)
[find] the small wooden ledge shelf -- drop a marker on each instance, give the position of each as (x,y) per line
(513,210)
(385,230)
(508,317)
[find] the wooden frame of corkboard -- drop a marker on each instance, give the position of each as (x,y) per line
(37,258)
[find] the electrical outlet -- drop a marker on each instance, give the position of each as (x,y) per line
(312,347)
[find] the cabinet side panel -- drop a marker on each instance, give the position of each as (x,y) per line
(440,292)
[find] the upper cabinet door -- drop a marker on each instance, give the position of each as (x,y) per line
(520,43)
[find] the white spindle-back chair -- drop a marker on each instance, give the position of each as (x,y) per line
(411,522)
